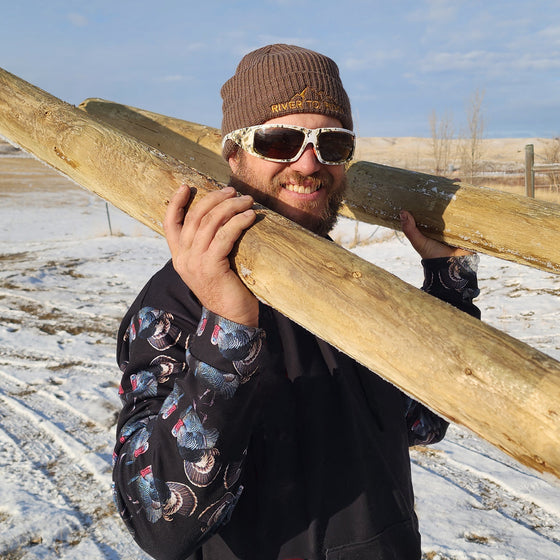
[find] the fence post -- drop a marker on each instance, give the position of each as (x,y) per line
(529,171)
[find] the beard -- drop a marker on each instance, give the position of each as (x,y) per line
(316,216)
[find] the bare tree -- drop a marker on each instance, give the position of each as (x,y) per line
(471,148)
(442,140)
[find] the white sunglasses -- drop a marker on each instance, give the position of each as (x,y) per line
(285,143)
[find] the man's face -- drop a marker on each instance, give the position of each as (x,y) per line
(305,191)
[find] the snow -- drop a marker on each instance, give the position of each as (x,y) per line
(65,282)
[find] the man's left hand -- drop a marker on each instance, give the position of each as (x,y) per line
(427,248)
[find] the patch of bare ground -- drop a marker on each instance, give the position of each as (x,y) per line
(433,555)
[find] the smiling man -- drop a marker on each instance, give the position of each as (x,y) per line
(243,436)
(308,191)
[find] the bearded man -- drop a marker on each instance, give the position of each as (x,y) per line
(242,435)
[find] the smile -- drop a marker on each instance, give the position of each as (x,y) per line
(301,189)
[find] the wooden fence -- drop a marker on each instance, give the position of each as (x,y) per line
(531,169)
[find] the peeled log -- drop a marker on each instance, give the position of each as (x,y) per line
(502,389)
(196,145)
(511,227)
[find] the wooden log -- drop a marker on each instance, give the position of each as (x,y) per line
(502,389)
(511,227)
(196,145)
(485,220)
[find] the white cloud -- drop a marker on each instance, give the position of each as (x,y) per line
(441,11)
(551,34)
(194,47)
(436,12)
(458,61)
(79,20)
(538,62)
(492,63)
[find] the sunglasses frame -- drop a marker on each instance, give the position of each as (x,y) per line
(244,138)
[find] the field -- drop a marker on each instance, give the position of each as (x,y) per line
(501,164)
(70,266)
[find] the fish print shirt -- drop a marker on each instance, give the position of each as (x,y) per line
(264,443)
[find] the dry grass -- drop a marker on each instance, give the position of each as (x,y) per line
(502,165)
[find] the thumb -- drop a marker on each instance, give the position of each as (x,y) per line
(417,239)
(427,248)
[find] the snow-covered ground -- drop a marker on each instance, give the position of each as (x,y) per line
(65,282)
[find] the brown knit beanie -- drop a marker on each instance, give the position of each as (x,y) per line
(279,80)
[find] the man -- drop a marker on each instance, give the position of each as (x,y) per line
(242,435)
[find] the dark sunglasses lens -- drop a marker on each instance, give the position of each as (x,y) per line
(278,143)
(335,146)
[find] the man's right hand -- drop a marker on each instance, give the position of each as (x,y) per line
(201,240)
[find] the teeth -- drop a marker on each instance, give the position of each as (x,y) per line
(300,189)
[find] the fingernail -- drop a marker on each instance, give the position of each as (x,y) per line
(182,188)
(228,190)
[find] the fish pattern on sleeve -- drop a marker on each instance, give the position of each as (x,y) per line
(183,394)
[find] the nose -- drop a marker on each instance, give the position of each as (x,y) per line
(307,164)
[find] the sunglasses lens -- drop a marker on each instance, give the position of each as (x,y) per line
(281,143)
(335,146)
(278,143)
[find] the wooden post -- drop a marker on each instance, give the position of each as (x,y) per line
(502,389)
(529,170)
(500,224)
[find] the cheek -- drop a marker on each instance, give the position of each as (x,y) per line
(254,170)
(338,172)
(264,171)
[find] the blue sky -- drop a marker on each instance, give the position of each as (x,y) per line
(399,60)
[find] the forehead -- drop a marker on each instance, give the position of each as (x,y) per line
(308,120)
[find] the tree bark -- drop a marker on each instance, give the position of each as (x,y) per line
(502,389)
(485,220)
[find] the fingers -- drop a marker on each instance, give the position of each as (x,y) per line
(224,239)
(201,240)
(427,248)
(200,225)
(218,217)
(174,216)
(415,236)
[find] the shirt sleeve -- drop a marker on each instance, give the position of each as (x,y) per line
(184,428)
(453,280)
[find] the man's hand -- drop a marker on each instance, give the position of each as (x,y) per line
(427,248)
(201,240)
